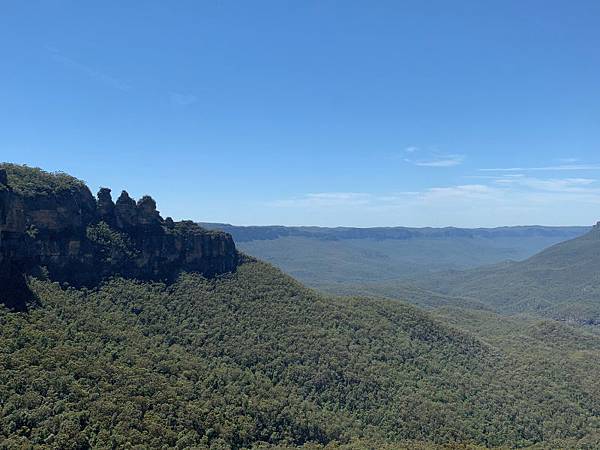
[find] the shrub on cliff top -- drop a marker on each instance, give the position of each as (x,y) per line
(32,181)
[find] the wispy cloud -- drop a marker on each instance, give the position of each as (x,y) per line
(86,70)
(426,158)
(461,191)
(363,199)
(545,168)
(568,160)
(507,199)
(180,99)
(560,185)
(443,161)
(326,199)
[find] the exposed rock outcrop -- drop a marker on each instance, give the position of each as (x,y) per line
(106,206)
(126,212)
(63,231)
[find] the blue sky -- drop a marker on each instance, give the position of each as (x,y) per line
(356,113)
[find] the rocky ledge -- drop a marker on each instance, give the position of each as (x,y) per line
(51,225)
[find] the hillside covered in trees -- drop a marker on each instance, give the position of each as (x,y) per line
(255,358)
(247,357)
(562,282)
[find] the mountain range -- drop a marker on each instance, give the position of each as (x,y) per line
(379,261)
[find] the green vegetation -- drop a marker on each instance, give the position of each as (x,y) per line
(32,231)
(112,244)
(562,281)
(254,359)
(191,228)
(405,291)
(32,181)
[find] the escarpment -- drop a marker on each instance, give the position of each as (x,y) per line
(51,224)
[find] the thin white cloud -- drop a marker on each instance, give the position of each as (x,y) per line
(443,161)
(551,184)
(460,191)
(430,158)
(86,70)
(353,199)
(568,160)
(325,199)
(545,168)
(508,199)
(180,99)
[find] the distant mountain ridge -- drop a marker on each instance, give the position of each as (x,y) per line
(562,281)
(269,232)
(379,261)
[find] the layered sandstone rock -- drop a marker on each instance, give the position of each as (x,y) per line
(68,234)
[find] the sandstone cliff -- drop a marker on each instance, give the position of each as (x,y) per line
(51,224)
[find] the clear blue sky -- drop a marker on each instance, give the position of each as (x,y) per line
(360,113)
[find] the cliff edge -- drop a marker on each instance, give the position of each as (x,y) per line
(51,225)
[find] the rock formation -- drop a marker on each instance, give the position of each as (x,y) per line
(106,206)
(63,231)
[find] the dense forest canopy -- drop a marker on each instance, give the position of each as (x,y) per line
(254,357)
(561,282)
(32,181)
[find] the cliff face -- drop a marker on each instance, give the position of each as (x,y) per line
(64,232)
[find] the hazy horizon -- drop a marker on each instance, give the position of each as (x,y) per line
(396,226)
